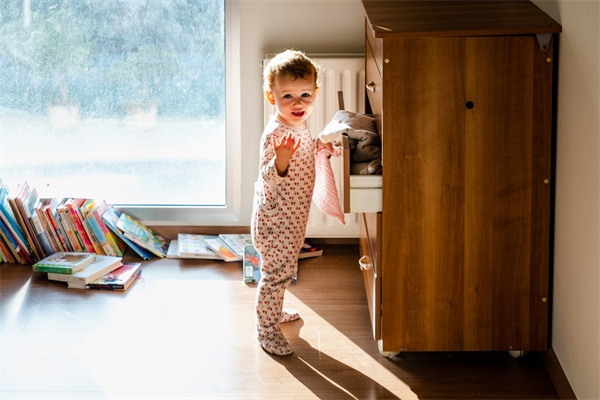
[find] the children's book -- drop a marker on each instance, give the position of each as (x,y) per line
(111,217)
(251,265)
(25,200)
(119,279)
(16,236)
(219,247)
(143,235)
(48,208)
(237,242)
(194,246)
(11,241)
(308,250)
(16,205)
(173,251)
(64,262)
(115,241)
(101,266)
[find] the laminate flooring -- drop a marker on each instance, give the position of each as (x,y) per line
(186,331)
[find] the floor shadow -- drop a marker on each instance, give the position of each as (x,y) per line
(325,376)
(429,375)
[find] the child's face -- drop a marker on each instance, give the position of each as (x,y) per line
(294,99)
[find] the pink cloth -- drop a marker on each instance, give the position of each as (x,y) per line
(325,194)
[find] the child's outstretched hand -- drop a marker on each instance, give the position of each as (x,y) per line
(284,150)
(321,145)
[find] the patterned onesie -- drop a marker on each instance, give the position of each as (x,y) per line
(279,217)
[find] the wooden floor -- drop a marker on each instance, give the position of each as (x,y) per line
(187,331)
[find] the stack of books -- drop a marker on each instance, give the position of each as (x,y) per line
(82,270)
(32,228)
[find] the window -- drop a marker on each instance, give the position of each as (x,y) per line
(123,100)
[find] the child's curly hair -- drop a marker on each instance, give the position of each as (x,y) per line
(293,63)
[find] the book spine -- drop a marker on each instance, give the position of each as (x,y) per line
(68,229)
(100,237)
(53,268)
(86,244)
(110,238)
(56,228)
(41,233)
(49,231)
(30,246)
(55,276)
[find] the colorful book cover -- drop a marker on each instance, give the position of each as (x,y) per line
(64,262)
(237,242)
(80,231)
(194,246)
(143,236)
(251,265)
(111,218)
(10,219)
(67,225)
(48,208)
(119,279)
(25,200)
(115,241)
(222,250)
(97,268)
(23,222)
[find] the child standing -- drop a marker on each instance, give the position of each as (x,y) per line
(284,189)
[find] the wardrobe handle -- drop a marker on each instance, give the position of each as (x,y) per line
(371,86)
(363,263)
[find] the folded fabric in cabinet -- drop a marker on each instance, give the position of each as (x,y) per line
(365,143)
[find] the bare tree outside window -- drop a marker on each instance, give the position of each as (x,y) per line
(122,100)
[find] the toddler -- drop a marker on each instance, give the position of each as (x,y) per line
(284,189)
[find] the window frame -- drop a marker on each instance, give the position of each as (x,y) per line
(213,215)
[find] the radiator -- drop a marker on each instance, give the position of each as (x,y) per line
(346,73)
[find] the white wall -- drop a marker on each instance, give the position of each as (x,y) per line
(271,26)
(576,306)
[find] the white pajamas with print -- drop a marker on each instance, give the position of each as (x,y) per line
(279,217)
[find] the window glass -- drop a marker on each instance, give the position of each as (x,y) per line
(122,100)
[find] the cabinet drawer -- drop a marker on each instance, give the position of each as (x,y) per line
(370,264)
(359,193)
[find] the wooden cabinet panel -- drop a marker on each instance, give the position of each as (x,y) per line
(466,125)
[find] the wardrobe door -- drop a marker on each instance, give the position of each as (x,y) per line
(508,92)
(468,134)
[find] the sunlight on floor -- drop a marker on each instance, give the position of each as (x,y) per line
(332,343)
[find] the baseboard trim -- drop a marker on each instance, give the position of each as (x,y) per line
(557,375)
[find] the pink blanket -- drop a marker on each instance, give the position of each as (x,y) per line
(325,194)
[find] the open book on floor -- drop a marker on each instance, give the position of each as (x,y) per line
(194,246)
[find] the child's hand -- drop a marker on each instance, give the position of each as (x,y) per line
(284,150)
(321,145)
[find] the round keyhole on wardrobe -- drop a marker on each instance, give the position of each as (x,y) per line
(469,105)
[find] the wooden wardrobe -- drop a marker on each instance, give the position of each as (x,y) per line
(458,258)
